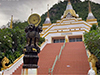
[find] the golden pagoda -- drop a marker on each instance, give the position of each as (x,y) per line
(71,27)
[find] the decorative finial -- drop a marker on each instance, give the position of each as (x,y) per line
(48,10)
(11,21)
(31,10)
(89,6)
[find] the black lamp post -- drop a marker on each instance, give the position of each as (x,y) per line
(31,50)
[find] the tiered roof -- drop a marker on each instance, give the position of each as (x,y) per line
(69,12)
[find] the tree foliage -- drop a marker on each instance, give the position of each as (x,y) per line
(12,41)
(94,27)
(92,41)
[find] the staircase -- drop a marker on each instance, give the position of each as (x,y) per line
(18,71)
(73,59)
(47,57)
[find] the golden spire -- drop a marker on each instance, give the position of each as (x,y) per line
(11,21)
(48,10)
(89,6)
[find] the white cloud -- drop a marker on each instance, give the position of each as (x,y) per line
(21,9)
(3,19)
(96,1)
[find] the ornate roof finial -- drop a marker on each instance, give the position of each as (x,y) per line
(31,10)
(69,6)
(48,10)
(89,6)
(11,21)
(47,21)
(90,15)
(69,12)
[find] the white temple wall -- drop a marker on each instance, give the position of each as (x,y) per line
(45,26)
(49,36)
(68,26)
(93,22)
(69,21)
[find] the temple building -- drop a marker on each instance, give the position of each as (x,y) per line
(63,52)
(70,27)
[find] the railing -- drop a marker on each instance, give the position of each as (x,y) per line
(56,59)
(95,54)
(88,54)
(61,50)
(51,69)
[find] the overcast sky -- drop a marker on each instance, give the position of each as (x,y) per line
(21,9)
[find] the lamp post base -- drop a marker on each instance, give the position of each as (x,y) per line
(29,71)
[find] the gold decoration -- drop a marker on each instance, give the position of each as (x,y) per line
(34,49)
(11,22)
(89,6)
(71,11)
(66,40)
(34,19)
(4,61)
(24,50)
(93,61)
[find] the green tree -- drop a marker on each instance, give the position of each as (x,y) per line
(19,24)
(92,41)
(12,41)
(41,41)
(94,27)
(1,56)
